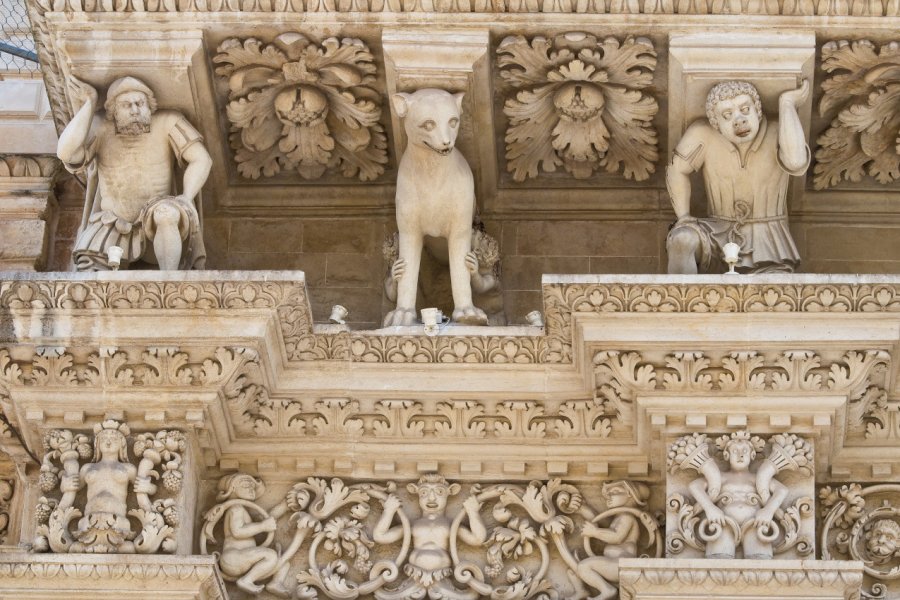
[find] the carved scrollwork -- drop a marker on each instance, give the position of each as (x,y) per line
(298,105)
(864,137)
(620,376)
(579,103)
(371,540)
(727,512)
(102,467)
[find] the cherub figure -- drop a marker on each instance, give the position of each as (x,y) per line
(883,541)
(105,526)
(744,506)
(242,558)
(624,501)
(429,565)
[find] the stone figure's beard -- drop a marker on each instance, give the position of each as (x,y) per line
(135,126)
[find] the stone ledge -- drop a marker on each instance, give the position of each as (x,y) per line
(646,579)
(108,576)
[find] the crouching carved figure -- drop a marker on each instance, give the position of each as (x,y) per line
(435,198)
(735,509)
(432,539)
(104,526)
(127,158)
(243,560)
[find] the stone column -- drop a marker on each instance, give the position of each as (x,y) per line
(27,208)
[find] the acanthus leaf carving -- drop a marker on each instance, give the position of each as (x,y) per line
(864,137)
(578,102)
(294,104)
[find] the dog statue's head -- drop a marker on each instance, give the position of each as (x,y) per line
(431,118)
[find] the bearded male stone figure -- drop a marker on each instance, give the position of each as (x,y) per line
(746,163)
(128,158)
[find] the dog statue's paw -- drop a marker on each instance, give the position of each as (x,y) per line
(400,316)
(469,315)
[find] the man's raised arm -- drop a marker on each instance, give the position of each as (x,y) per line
(71,147)
(792,150)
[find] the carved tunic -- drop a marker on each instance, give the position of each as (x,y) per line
(747,200)
(127,176)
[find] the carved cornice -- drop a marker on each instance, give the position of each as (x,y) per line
(737,579)
(861,94)
(861,376)
(172,576)
(563,301)
(32,165)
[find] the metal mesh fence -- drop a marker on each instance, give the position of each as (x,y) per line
(16,43)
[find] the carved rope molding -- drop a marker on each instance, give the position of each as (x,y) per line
(302,106)
(862,376)
(862,94)
(578,102)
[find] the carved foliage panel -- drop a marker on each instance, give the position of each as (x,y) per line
(579,102)
(302,106)
(862,93)
(430,538)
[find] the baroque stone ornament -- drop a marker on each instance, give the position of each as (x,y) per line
(434,289)
(298,105)
(863,523)
(372,540)
(734,511)
(579,103)
(863,86)
(7,487)
(127,159)
(746,163)
(242,559)
(107,475)
(435,198)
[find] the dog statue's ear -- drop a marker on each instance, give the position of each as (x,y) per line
(401,103)
(459,98)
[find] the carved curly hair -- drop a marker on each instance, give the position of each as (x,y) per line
(726,91)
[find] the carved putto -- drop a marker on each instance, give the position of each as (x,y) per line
(298,105)
(863,523)
(864,137)
(579,102)
(112,485)
(735,511)
(435,541)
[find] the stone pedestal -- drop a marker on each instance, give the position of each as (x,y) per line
(83,576)
(645,579)
(26,209)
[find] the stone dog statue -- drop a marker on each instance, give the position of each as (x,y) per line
(435,199)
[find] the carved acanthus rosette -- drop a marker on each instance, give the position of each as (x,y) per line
(295,104)
(864,137)
(114,490)
(863,523)
(579,102)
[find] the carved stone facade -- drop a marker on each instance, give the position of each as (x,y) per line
(512,401)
